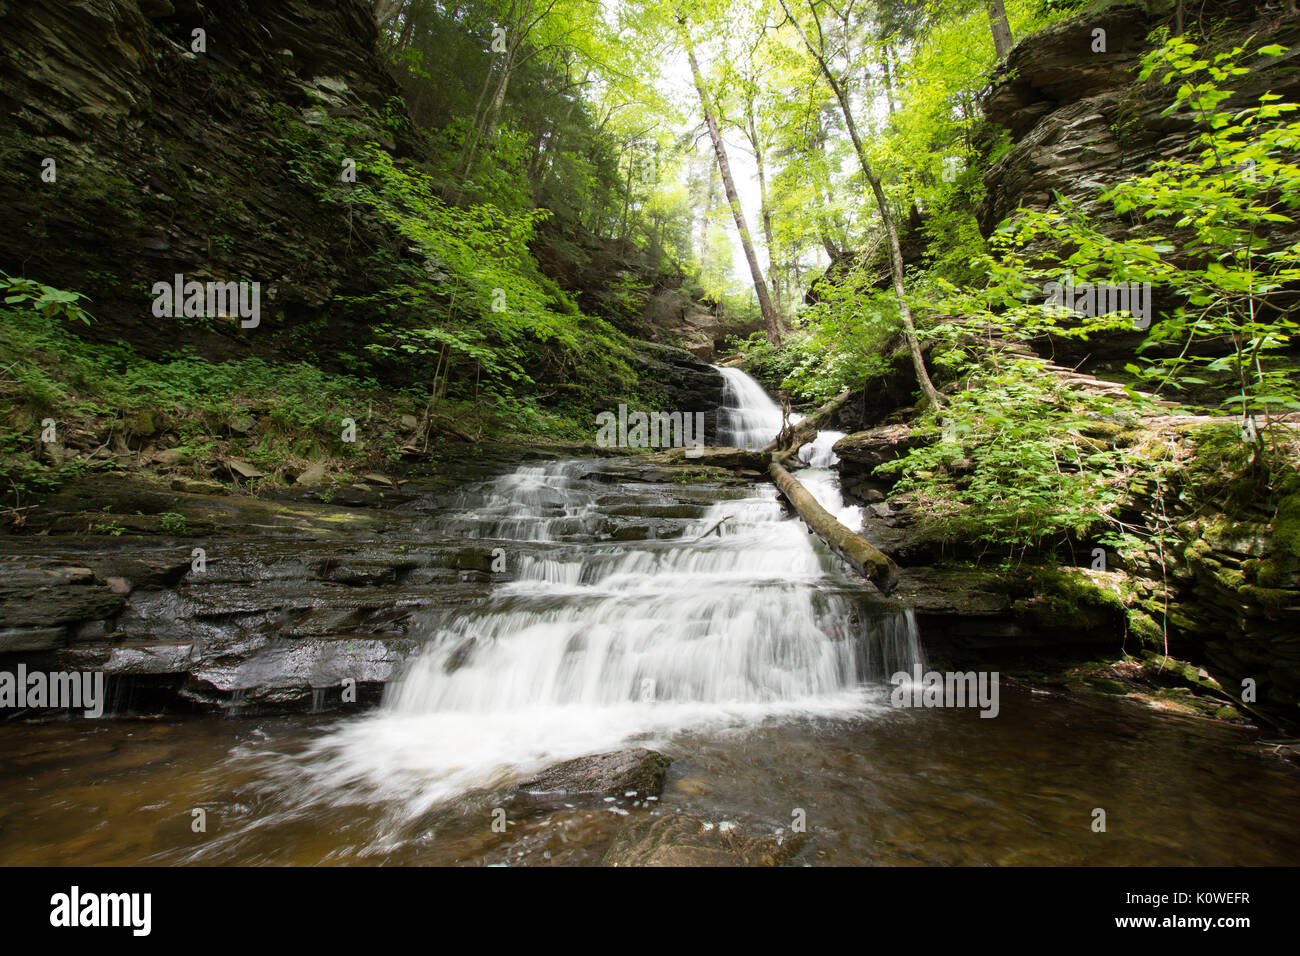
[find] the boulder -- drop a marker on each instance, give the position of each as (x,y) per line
(866,450)
(243,469)
(639,772)
(314,475)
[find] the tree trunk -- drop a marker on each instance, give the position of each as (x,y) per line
(895,251)
(889,82)
(499,98)
(385,10)
(1002,41)
(786,444)
(770,319)
(865,558)
(627,194)
(708,210)
(486,125)
(765,213)
(820,177)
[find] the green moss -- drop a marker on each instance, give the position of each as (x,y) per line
(1105,685)
(1230,578)
(1198,552)
(1144,627)
(1286,526)
(1267,597)
(1077,590)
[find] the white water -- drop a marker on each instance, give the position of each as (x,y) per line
(821,479)
(748,417)
(597,645)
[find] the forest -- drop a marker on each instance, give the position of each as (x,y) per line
(641,432)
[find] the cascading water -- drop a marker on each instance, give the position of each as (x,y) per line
(822,481)
(596,644)
(748,417)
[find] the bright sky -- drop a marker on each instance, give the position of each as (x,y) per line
(676,77)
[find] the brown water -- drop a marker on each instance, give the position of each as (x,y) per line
(721,634)
(893,788)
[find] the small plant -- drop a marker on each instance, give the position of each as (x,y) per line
(44,298)
(107,524)
(172,522)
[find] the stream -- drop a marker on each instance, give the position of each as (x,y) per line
(736,645)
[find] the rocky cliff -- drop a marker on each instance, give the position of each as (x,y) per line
(181,138)
(1081,120)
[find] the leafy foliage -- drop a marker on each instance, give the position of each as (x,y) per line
(1021,459)
(479,284)
(57,303)
(1230,330)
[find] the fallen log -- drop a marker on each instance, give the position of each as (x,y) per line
(790,440)
(718,456)
(865,558)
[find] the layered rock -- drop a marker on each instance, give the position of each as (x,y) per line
(678,317)
(299,599)
(687,384)
(171,161)
(1081,121)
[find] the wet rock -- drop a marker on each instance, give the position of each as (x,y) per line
(193,486)
(861,452)
(269,674)
(13,639)
(639,771)
(132,658)
(70,575)
(50,606)
(633,532)
(712,457)
(243,469)
(314,474)
(681,839)
(460,656)
(688,384)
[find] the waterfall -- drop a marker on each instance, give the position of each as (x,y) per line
(823,482)
(748,418)
(818,453)
(594,643)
